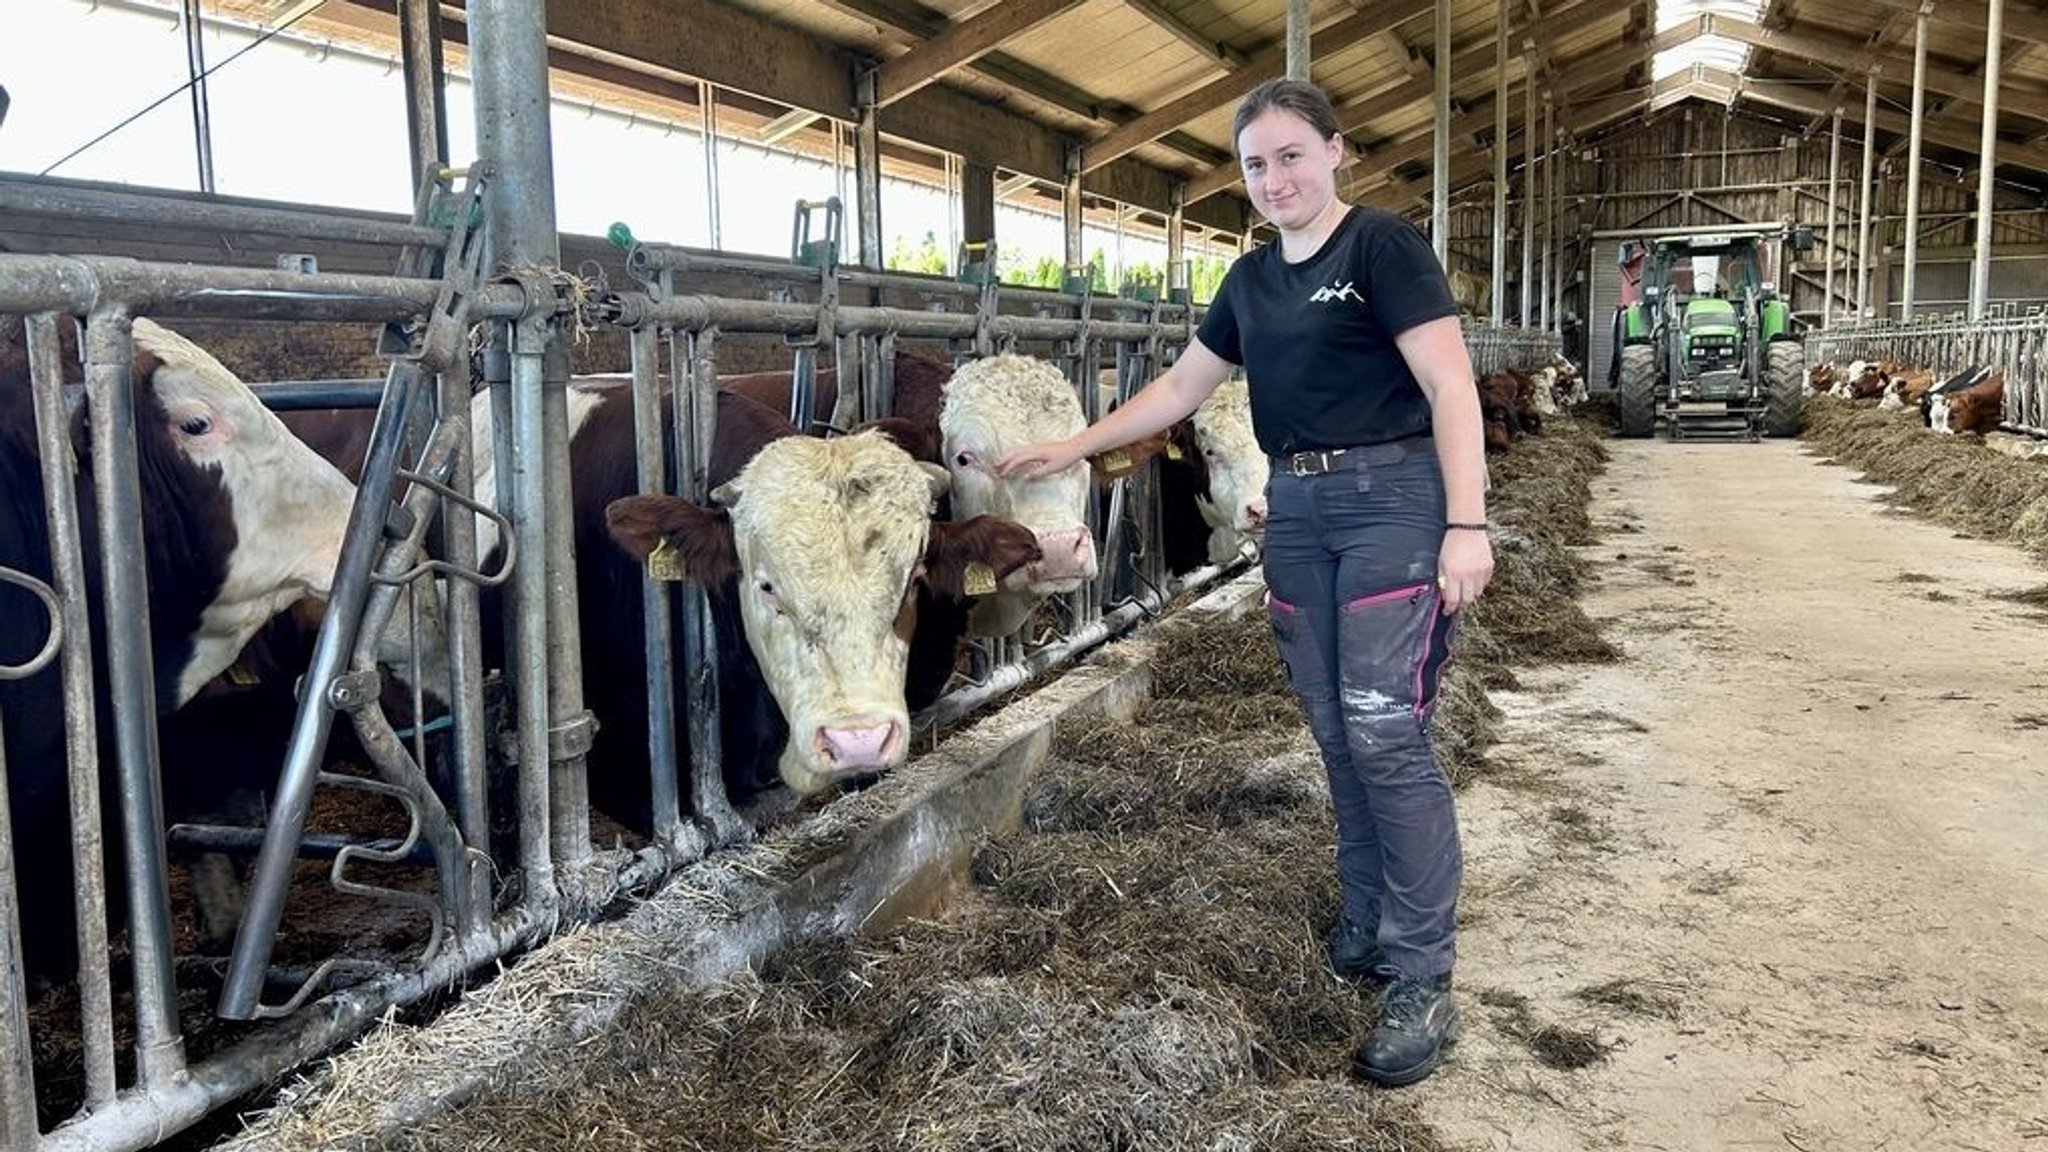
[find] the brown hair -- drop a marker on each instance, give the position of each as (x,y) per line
(1297,96)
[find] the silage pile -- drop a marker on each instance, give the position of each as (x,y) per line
(1953,479)
(1138,967)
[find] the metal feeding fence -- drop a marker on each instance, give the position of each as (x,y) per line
(2012,341)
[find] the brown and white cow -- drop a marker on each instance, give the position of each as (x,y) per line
(825,545)
(239,521)
(837,599)
(1979,407)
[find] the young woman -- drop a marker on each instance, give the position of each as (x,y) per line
(1362,393)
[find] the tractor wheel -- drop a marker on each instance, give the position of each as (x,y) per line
(1784,387)
(1638,390)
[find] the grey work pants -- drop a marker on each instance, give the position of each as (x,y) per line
(1350,562)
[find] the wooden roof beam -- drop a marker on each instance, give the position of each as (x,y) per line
(2017,22)
(1215,51)
(1856,57)
(1958,137)
(961,44)
(1478,57)
(1265,64)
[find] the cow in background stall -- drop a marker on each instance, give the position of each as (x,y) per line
(1212,480)
(1934,404)
(1979,407)
(240,520)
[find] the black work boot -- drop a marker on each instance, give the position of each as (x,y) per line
(1418,1020)
(1354,953)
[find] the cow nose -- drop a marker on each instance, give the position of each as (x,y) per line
(1255,514)
(860,747)
(1068,554)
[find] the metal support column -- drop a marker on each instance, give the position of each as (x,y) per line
(1500,161)
(426,86)
(1297,39)
(509,49)
(1440,176)
(1070,217)
(1528,195)
(1827,298)
(1863,195)
(1549,207)
(1914,132)
(1177,278)
(707,115)
(867,173)
(195,67)
(1987,161)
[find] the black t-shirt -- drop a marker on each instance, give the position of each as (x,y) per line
(1316,339)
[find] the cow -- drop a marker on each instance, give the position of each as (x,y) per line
(1507,408)
(1212,480)
(1979,407)
(240,520)
(991,406)
(1934,403)
(964,418)
(837,600)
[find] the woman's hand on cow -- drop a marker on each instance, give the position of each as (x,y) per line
(1037,461)
(1463,566)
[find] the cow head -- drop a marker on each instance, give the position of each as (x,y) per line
(225,486)
(1235,505)
(992,406)
(825,543)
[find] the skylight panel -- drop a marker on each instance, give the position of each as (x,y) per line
(1717,52)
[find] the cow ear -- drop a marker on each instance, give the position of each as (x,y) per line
(1122,461)
(727,494)
(698,540)
(941,480)
(973,557)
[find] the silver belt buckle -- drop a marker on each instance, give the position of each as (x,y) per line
(1303,463)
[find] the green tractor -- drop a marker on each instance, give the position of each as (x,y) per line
(1709,350)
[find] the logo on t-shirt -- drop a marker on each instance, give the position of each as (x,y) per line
(1330,292)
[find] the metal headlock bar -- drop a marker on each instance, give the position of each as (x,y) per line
(2011,340)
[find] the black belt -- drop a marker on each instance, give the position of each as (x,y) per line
(1317,461)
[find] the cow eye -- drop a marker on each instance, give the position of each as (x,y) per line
(196,426)
(767,588)
(964,459)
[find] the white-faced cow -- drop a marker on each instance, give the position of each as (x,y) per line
(837,600)
(239,520)
(966,418)
(992,406)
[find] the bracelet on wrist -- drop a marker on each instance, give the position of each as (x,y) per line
(1468,526)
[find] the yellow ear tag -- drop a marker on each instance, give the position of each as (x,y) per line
(1173,451)
(665,563)
(980,579)
(1115,462)
(241,675)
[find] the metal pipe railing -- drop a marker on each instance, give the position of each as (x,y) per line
(100,204)
(81,285)
(2006,339)
(81,733)
(132,692)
